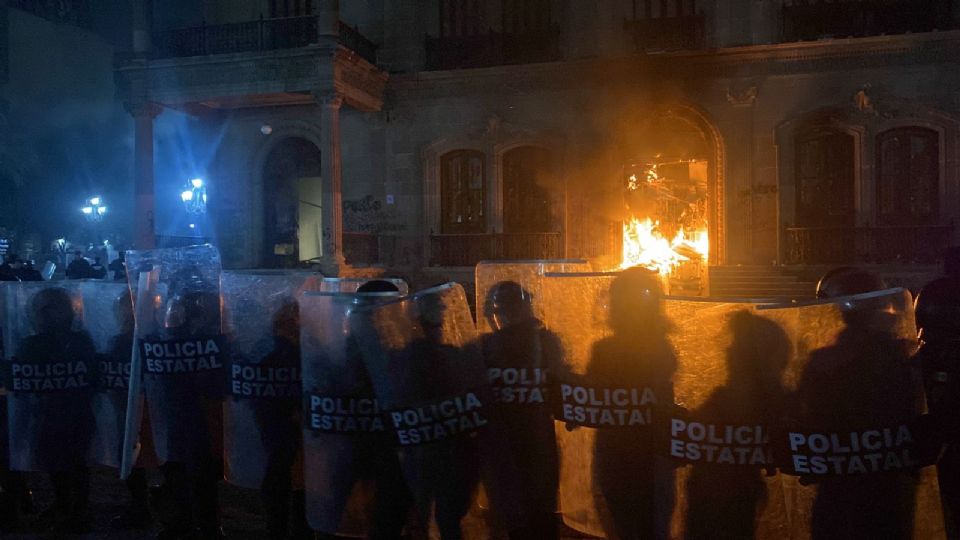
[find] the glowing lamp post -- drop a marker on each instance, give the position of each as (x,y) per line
(194,196)
(94,209)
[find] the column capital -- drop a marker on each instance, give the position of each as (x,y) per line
(143,109)
(328,98)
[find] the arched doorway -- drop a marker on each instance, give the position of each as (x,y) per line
(291,203)
(683,150)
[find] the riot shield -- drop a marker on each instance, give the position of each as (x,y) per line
(49,377)
(526,273)
(108,317)
(346,444)
(350,285)
(428,377)
(616,405)
(181,349)
(261,414)
(853,434)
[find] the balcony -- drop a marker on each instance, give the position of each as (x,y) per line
(251,36)
(262,63)
(832,245)
(491,49)
(818,19)
(469,249)
(666,26)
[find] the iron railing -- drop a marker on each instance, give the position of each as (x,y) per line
(906,244)
(817,19)
(666,25)
(469,249)
(361,248)
(251,36)
(492,49)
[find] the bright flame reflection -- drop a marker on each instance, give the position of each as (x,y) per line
(644,245)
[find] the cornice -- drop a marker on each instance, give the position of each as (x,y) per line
(752,61)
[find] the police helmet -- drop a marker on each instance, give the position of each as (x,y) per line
(938,310)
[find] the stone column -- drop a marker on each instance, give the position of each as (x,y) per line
(328,18)
(143,115)
(332,261)
(141,27)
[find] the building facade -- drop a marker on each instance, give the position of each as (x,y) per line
(434,134)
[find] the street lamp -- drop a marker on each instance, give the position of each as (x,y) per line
(94,209)
(194,196)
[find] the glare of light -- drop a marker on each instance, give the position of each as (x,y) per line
(95,201)
(192,226)
(106,242)
(186,195)
(204,197)
(197,182)
(101,210)
(266,129)
(87,210)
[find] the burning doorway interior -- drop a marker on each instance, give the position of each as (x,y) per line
(665,226)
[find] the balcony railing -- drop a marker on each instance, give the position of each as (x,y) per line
(469,249)
(666,25)
(251,36)
(492,49)
(361,248)
(819,245)
(817,19)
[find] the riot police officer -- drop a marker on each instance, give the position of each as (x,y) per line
(521,355)
(864,379)
(938,322)
(64,418)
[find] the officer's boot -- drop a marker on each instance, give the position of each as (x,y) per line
(300,529)
(207,497)
(173,503)
(275,494)
(137,514)
(10,505)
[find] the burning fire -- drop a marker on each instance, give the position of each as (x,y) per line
(644,245)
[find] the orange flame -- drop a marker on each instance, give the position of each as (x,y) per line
(644,245)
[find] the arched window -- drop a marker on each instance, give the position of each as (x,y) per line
(908,177)
(825,179)
(463,187)
(527,172)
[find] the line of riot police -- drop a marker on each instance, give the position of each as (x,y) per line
(596,405)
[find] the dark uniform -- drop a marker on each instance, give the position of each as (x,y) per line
(627,472)
(864,379)
(523,414)
(938,319)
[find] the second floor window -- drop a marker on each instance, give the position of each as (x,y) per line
(908,177)
(463,188)
(825,179)
(527,170)
(290,8)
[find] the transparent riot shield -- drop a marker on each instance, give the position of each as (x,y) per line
(526,273)
(261,414)
(428,377)
(348,449)
(637,366)
(49,377)
(181,349)
(108,317)
(350,285)
(852,433)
